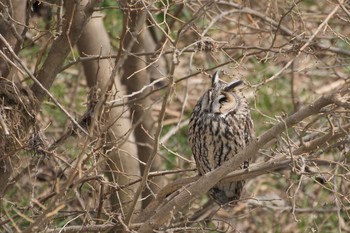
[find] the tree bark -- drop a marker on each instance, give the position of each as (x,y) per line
(123,164)
(11,11)
(11,32)
(76,17)
(135,77)
(23,113)
(205,182)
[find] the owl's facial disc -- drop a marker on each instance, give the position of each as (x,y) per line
(228,102)
(221,98)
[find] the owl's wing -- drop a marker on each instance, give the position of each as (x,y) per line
(248,130)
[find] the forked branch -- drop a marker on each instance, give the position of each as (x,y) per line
(204,183)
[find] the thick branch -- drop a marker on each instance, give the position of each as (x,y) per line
(92,228)
(77,15)
(210,179)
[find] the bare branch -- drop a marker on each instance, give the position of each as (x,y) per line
(308,42)
(36,81)
(210,179)
(79,14)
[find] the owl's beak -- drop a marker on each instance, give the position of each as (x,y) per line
(233,85)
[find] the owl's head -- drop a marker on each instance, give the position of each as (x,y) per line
(222,98)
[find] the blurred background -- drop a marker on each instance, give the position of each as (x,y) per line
(131,76)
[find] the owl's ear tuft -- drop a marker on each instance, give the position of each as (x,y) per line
(232,85)
(215,79)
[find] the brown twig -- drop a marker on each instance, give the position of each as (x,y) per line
(210,179)
(41,86)
(46,76)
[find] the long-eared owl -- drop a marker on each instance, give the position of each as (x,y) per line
(219,128)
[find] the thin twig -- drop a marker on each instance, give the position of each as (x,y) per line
(308,42)
(41,86)
(204,183)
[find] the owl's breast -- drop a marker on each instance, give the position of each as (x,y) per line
(215,138)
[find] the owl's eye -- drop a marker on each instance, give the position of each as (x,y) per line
(223,99)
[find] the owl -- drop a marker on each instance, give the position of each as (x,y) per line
(220,126)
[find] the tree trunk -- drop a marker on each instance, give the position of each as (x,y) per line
(123,162)
(135,77)
(16,10)
(10,32)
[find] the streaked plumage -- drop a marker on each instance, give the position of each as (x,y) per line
(219,128)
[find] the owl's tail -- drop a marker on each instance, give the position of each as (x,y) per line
(226,193)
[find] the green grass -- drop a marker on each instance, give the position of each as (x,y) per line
(272,99)
(179,144)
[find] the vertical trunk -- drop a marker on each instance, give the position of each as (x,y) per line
(135,77)
(9,30)
(122,163)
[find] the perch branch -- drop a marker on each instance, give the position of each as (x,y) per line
(204,183)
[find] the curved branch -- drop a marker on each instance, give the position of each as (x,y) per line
(77,15)
(36,81)
(210,179)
